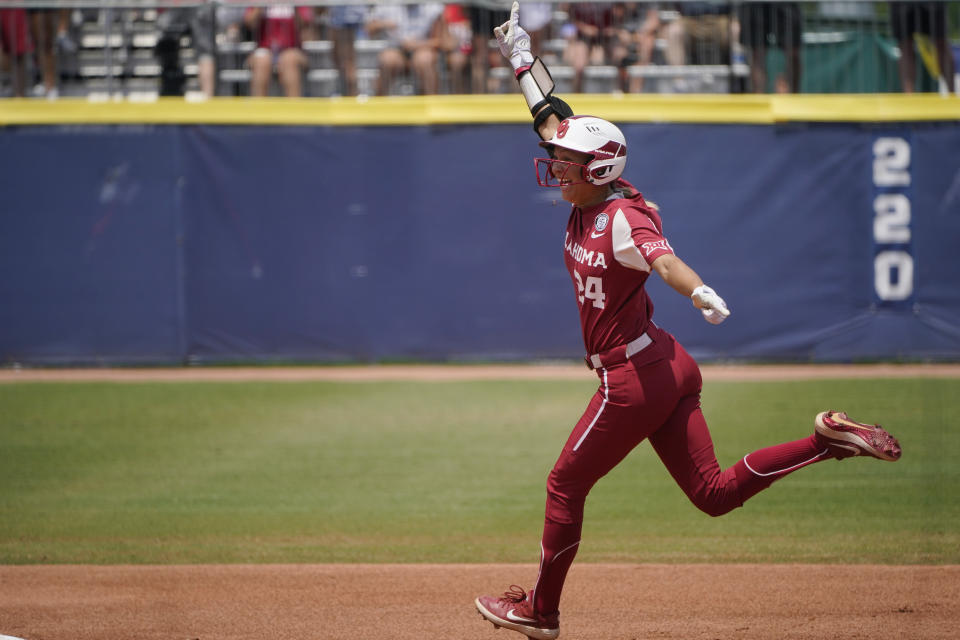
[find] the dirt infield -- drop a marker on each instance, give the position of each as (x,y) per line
(406,602)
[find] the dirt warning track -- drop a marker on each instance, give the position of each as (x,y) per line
(407,602)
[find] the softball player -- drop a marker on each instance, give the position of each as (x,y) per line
(649,385)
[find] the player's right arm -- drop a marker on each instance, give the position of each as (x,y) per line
(536,85)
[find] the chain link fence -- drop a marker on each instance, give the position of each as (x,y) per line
(138,50)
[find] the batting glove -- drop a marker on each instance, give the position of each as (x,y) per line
(712,306)
(514,41)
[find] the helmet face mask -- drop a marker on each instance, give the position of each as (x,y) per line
(602,141)
(558,173)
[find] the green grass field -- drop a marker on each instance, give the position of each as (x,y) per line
(445,472)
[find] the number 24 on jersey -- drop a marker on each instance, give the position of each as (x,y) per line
(592,290)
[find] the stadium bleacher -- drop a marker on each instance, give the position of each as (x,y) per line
(115,57)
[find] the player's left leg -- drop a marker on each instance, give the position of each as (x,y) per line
(686,449)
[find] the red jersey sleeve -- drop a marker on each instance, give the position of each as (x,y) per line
(651,242)
(637,240)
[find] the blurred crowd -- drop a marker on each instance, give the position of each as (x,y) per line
(430,48)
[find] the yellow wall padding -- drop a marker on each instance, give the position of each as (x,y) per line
(486,109)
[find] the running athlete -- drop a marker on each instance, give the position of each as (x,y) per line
(649,385)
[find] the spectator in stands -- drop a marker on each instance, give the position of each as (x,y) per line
(778,23)
(929,19)
(637,27)
(16,45)
(230,23)
(538,15)
(50,30)
(595,37)
(701,35)
(278,31)
(456,46)
(198,23)
(415,35)
(484,57)
(484,53)
(345,22)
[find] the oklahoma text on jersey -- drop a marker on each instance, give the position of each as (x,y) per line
(581,255)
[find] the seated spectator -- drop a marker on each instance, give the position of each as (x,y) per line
(278,30)
(635,29)
(197,22)
(456,46)
(484,53)
(908,19)
(16,45)
(701,35)
(414,34)
(779,23)
(645,38)
(345,21)
(595,37)
(49,28)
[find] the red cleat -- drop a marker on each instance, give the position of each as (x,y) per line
(514,610)
(845,437)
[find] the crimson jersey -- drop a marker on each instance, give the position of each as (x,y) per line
(15,36)
(279,28)
(608,250)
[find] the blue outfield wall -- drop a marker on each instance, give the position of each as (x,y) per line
(176,243)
